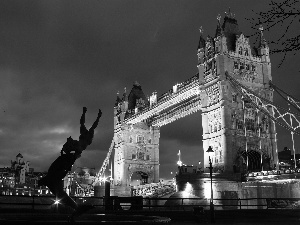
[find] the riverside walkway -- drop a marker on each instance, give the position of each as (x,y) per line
(270,216)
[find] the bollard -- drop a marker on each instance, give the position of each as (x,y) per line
(107,199)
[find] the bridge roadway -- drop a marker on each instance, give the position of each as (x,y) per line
(247,217)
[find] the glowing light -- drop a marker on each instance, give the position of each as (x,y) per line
(207,191)
(188,187)
(103,179)
(56,202)
(179,163)
(187,190)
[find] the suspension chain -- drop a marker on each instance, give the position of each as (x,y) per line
(280,115)
(104,164)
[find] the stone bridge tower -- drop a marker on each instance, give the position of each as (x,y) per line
(137,145)
(243,139)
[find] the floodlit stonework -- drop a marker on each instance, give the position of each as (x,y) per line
(136,145)
(242,137)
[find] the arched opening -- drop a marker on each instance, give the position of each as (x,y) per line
(266,163)
(184,134)
(254,160)
(138,178)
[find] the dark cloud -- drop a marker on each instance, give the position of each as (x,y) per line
(58,56)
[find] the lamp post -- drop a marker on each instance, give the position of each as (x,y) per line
(212,213)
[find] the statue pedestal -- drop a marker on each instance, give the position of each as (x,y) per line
(99,191)
(122,191)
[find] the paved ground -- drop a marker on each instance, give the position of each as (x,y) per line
(247,217)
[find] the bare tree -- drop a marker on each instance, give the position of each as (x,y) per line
(282,18)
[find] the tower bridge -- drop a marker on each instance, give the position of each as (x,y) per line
(231,89)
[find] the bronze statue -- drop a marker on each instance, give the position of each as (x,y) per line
(85,138)
(71,151)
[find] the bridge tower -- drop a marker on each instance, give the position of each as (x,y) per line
(243,139)
(136,145)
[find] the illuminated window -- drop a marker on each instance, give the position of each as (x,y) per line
(215,128)
(236,65)
(241,65)
(141,155)
(217,48)
(140,139)
(240,51)
(234,97)
(240,125)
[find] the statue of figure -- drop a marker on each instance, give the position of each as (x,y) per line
(85,138)
(60,167)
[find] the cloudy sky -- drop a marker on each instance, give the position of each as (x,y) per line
(58,56)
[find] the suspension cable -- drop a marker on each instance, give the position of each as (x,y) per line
(263,107)
(293,100)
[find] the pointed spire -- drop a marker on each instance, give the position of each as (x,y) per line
(179,163)
(124,98)
(201,40)
(118,99)
(229,14)
(262,41)
(219,29)
(136,83)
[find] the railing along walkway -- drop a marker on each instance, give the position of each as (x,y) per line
(148,204)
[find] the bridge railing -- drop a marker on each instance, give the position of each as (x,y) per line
(47,203)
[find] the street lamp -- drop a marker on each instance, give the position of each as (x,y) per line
(212,213)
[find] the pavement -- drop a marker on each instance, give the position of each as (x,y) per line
(241,217)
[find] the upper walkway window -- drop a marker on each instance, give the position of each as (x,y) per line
(240,51)
(140,139)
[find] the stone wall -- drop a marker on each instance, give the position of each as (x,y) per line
(230,190)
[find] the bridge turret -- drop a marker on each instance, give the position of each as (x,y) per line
(117,109)
(118,101)
(153,99)
(201,55)
(124,106)
(220,38)
(263,52)
(226,118)
(136,99)
(120,108)
(263,48)
(201,47)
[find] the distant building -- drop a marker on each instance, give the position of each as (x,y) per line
(20,168)
(20,179)
(184,169)
(286,159)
